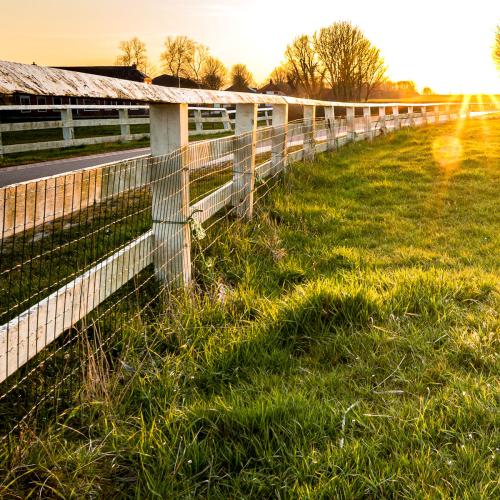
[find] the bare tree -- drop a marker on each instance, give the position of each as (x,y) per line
(213,73)
(183,57)
(280,75)
(304,67)
(241,76)
(133,51)
(353,67)
(197,61)
(371,69)
(177,58)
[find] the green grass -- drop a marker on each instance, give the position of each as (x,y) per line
(343,344)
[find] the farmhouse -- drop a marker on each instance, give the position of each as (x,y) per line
(241,88)
(176,81)
(276,89)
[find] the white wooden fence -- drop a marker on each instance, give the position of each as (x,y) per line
(221,120)
(167,244)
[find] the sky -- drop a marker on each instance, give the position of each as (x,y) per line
(444,44)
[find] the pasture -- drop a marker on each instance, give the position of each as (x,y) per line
(344,343)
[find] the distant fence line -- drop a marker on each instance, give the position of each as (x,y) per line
(75,247)
(221,119)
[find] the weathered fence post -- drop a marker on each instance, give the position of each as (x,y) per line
(67,124)
(170,193)
(381,119)
(267,117)
(124,124)
(411,116)
(330,128)
(423,110)
(226,121)
(436,114)
(279,138)
(244,159)
(309,132)
(351,123)
(198,124)
(367,118)
(395,117)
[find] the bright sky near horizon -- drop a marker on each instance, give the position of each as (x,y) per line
(444,44)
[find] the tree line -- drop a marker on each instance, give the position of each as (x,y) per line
(337,62)
(185,58)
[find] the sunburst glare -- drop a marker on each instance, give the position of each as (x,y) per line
(447,151)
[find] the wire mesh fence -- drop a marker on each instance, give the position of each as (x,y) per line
(84,254)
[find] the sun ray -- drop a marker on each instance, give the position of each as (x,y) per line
(485,126)
(496,102)
(463,113)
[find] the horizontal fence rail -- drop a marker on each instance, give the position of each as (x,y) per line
(204,121)
(77,248)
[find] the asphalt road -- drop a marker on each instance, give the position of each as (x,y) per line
(21,173)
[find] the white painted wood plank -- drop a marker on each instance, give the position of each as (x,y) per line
(39,146)
(212,203)
(102,122)
(25,336)
(29,204)
(264,169)
(296,155)
(24,126)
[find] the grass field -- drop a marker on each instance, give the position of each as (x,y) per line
(343,344)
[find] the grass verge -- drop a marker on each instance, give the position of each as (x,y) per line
(343,344)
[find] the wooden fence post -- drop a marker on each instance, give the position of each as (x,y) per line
(309,132)
(436,114)
(367,118)
(226,121)
(170,193)
(423,110)
(244,159)
(267,117)
(124,125)
(279,138)
(381,119)
(67,124)
(395,117)
(330,128)
(351,123)
(198,124)
(411,117)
